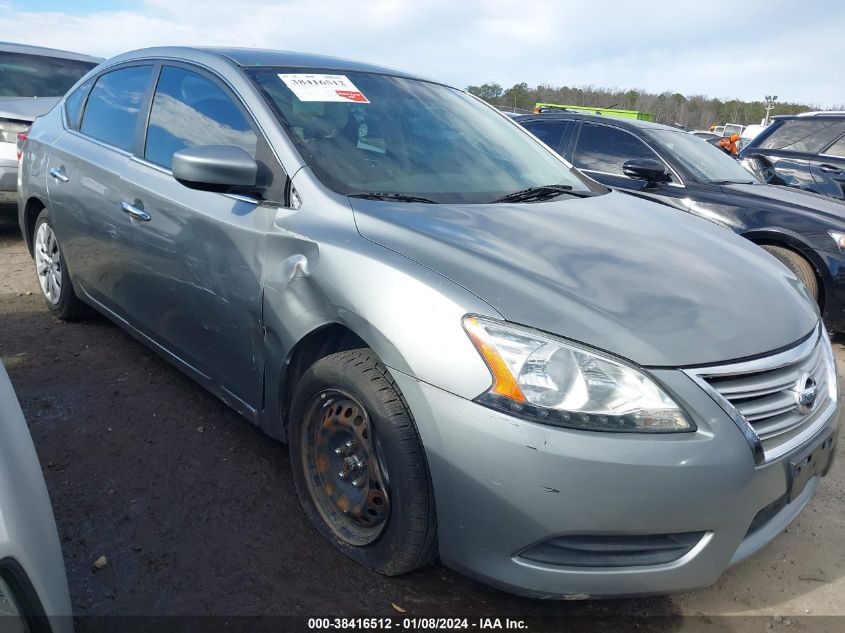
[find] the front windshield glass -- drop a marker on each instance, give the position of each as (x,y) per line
(365,132)
(704,161)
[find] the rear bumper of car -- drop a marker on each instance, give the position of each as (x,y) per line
(8,180)
(506,489)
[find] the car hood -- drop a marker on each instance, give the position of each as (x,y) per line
(628,276)
(790,196)
(26,108)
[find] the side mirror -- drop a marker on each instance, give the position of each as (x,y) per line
(214,167)
(648,169)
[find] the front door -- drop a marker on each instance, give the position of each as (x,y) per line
(601,150)
(197,286)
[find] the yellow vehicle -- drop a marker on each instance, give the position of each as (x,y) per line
(620,114)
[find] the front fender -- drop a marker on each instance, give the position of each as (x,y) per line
(409,315)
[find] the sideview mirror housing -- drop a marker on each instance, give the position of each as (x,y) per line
(214,167)
(648,169)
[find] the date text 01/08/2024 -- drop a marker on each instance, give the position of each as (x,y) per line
(411,624)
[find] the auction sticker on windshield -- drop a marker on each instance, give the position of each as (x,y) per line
(323,87)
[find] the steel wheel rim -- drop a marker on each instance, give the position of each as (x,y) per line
(48,263)
(344,467)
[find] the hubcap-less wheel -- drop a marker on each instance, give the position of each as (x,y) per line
(48,263)
(344,469)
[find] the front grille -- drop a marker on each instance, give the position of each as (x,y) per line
(784,398)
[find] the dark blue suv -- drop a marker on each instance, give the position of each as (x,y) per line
(806,151)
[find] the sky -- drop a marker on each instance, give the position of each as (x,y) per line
(718,48)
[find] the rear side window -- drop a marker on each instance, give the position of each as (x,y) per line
(837,149)
(804,135)
(550,132)
(111,114)
(189,109)
(74,103)
(606,149)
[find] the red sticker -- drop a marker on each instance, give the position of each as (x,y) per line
(352,96)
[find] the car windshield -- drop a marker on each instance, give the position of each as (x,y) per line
(367,133)
(704,161)
(38,76)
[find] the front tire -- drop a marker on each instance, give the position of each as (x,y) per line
(53,277)
(800,267)
(359,466)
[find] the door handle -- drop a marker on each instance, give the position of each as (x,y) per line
(830,169)
(135,212)
(59,174)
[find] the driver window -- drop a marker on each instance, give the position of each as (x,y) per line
(605,149)
(189,110)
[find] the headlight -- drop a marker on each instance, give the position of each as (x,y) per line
(839,238)
(554,382)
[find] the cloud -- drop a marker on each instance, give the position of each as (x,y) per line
(718,48)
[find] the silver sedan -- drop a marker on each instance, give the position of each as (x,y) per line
(471,349)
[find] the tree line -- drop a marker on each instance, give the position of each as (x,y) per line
(692,112)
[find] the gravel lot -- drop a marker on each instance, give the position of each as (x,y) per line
(195,509)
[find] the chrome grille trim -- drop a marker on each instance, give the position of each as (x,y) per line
(761,395)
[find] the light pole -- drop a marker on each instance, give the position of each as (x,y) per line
(770,105)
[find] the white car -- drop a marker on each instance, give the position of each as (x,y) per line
(33,587)
(32,80)
(748,134)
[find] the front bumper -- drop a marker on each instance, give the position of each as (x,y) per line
(502,484)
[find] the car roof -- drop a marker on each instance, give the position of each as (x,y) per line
(631,124)
(256,57)
(822,114)
(43,51)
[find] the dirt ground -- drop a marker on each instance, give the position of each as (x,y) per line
(196,513)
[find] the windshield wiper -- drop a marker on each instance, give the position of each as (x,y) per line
(730,182)
(543,192)
(386,195)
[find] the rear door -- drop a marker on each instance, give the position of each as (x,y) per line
(828,169)
(197,288)
(84,182)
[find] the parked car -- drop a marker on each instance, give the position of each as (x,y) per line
(805,151)
(805,232)
(705,135)
(34,595)
(470,348)
(32,80)
(749,133)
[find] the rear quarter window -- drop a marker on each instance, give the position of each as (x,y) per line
(837,149)
(74,103)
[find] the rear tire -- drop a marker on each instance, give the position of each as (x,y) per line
(53,277)
(799,266)
(359,466)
